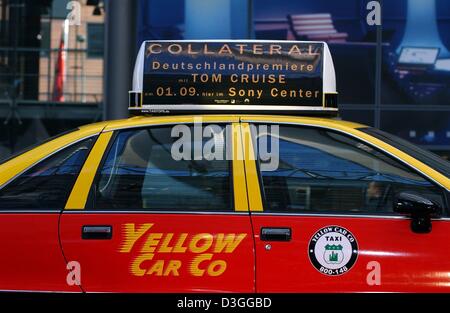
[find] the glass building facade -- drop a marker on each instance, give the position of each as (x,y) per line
(51,76)
(395,76)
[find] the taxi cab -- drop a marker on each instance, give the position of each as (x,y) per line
(225,196)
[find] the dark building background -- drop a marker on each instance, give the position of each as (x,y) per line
(30,35)
(374,88)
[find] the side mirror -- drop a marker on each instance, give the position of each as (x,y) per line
(419,208)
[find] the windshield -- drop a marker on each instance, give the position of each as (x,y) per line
(422,155)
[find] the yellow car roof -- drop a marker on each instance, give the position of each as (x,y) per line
(213,118)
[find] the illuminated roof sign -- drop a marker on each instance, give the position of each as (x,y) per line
(233,76)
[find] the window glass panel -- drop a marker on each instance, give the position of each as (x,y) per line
(140,173)
(95,40)
(324,171)
(59,9)
(47,184)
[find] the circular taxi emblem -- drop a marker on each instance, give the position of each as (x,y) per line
(333,250)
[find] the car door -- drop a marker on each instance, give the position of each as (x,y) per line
(324,220)
(167,211)
(30,206)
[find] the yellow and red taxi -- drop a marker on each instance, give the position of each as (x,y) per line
(225,202)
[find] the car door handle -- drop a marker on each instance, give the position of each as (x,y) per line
(276,234)
(96,232)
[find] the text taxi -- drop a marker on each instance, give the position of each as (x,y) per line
(209,190)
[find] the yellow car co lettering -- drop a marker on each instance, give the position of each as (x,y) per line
(149,251)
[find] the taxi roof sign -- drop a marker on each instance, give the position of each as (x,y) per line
(292,77)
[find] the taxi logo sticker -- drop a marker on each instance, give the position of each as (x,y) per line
(333,254)
(333,250)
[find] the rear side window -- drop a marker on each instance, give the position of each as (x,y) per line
(325,171)
(47,184)
(140,173)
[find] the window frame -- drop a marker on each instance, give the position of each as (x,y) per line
(91,199)
(445,192)
(422,155)
(31,147)
(94,138)
(90,52)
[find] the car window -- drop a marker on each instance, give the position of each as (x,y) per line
(140,172)
(426,157)
(325,171)
(46,185)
